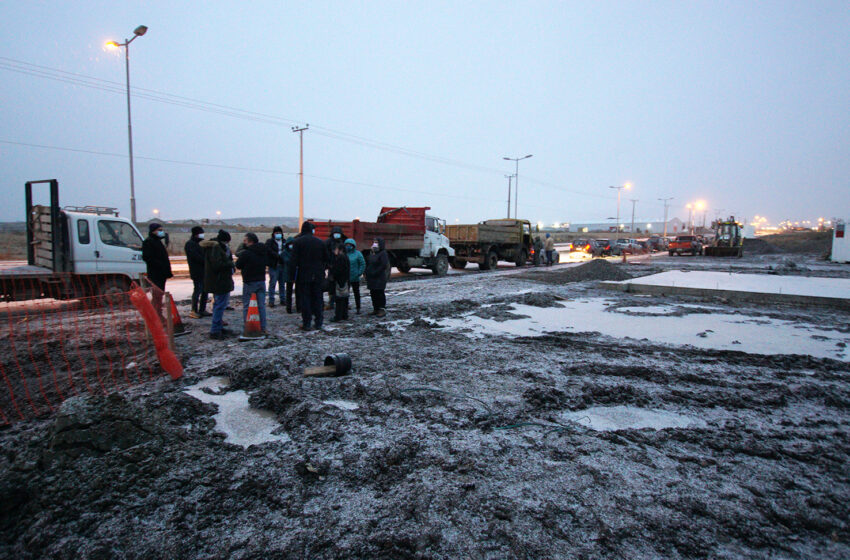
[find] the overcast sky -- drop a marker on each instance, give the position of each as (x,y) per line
(743,104)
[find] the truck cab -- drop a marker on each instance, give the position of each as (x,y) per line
(436,242)
(101,242)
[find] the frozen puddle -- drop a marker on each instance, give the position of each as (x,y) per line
(610,418)
(242,424)
(344,405)
(662,325)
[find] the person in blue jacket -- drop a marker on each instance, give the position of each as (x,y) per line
(357,268)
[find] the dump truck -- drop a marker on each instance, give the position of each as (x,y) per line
(413,238)
(73,252)
(728,239)
(490,241)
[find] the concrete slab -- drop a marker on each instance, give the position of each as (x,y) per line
(801,290)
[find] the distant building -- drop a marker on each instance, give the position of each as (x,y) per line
(674,226)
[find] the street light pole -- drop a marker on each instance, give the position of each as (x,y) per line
(516,182)
(300,132)
(633,201)
(690,208)
(620,188)
(665,200)
(509,177)
(138,32)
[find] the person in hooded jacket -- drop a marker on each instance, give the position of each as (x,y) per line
(289,275)
(550,250)
(336,239)
(340,268)
(357,266)
(252,259)
(377,269)
(155,256)
(195,259)
(538,251)
(310,256)
(218,278)
(275,245)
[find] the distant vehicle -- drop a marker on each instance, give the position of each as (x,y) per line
(578,245)
(74,252)
(413,238)
(728,239)
(628,246)
(490,241)
(658,243)
(683,244)
(645,247)
(600,247)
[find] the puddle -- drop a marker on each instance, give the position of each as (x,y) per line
(242,424)
(344,405)
(610,418)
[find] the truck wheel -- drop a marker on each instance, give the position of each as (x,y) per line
(113,291)
(441,265)
(403,266)
(523,258)
(458,264)
(492,261)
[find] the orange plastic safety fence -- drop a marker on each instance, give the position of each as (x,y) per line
(64,338)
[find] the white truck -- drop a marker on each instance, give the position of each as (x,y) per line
(73,252)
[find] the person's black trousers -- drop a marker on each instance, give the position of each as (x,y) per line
(289,288)
(379,299)
(312,304)
(199,296)
(355,287)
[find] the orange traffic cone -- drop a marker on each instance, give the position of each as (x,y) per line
(624,255)
(253,330)
(179,327)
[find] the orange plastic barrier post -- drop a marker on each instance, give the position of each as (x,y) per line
(167,359)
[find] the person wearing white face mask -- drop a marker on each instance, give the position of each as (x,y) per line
(274,246)
(159,267)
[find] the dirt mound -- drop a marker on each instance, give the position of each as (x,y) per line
(803,242)
(760,247)
(595,270)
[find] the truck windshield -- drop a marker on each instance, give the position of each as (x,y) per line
(118,234)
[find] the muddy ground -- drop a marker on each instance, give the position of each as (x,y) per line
(459,447)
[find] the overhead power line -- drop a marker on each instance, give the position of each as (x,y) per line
(91,82)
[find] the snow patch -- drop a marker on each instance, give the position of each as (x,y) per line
(242,424)
(610,418)
(344,405)
(724,331)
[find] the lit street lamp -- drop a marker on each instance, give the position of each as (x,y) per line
(627,186)
(516,183)
(138,32)
(690,208)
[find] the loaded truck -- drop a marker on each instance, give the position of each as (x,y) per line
(413,238)
(73,252)
(491,241)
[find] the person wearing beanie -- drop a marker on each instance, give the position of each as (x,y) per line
(195,258)
(311,258)
(549,247)
(155,256)
(277,268)
(218,278)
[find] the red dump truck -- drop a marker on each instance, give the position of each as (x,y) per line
(413,238)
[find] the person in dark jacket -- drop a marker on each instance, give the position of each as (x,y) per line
(252,260)
(336,239)
(218,278)
(289,275)
(155,256)
(275,245)
(340,268)
(377,273)
(357,266)
(538,251)
(311,259)
(195,258)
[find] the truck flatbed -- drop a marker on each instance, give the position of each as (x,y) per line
(21,270)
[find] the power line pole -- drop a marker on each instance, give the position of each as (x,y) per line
(666,205)
(633,201)
(300,132)
(509,177)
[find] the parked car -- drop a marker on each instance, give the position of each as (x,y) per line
(628,246)
(599,247)
(658,243)
(690,244)
(578,245)
(645,247)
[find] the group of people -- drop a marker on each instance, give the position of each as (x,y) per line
(544,251)
(304,266)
